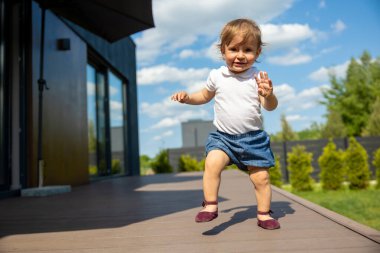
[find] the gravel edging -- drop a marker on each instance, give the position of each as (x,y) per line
(361,229)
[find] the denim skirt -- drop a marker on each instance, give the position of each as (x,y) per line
(248,149)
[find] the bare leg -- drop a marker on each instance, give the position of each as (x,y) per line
(260,179)
(216,161)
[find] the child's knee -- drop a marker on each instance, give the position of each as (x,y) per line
(260,177)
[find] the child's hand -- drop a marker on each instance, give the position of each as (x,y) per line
(264,84)
(181,97)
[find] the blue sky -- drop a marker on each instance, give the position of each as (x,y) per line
(306,40)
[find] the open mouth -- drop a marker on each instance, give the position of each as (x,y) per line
(239,64)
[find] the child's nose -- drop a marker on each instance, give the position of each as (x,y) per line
(240,54)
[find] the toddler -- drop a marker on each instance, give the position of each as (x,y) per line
(240,90)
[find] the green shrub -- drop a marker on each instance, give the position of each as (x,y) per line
(202,163)
(356,162)
(160,163)
(376,163)
(93,170)
(332,167)
(116,166)
(188,163)
(299,166)
(275,173)
(145,167)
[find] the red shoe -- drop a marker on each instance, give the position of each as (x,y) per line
(268,224)
(207,216)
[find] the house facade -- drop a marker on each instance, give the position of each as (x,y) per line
(90,91)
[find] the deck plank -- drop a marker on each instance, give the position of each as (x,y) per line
(156,214)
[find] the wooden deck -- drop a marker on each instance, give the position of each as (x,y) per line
(156,214)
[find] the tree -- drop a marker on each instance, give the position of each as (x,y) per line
(314,132)
(332,167)
(160,163)
(300,168)
(356,162)
(287,132)
(334,127)
(353,96)
(275,173)
(373,126)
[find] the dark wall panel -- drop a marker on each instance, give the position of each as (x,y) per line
(65,141)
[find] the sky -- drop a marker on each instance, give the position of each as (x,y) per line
(306,40)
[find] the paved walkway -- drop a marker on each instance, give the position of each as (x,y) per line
(156,214)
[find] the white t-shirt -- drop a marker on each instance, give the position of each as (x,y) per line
(237,107)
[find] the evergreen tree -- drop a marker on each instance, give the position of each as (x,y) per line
(353,96)
(275,173)
(356,162)
(314,132)
(373,126)
(334,127)
(300,168)
(332,168)
(376,163)
(287,132)
(160,163)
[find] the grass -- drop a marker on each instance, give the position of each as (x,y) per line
(362,206)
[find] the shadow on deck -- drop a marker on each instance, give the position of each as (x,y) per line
(156,214)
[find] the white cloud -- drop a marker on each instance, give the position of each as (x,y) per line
(163,135)
(291,100)
(90,88)
(169,108)
(188,53)
(113,90)
(166,122)
(116,105)
(323,73)
(295,117)
(163,73)
(287,35)
(322,4)
(294,57)
(179,23)
(338,26)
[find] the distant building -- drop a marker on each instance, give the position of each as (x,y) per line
(195,132)
(194,136)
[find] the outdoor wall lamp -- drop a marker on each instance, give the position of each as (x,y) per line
(63,44)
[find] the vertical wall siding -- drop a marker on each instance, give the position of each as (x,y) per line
(121,56)
(65,141)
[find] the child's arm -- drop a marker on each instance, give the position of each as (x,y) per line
(269,103)
(265,88)
(201,97)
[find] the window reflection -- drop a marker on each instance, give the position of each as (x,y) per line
(117,123)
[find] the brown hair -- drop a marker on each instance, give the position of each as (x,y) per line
(244,27)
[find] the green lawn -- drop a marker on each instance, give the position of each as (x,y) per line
(362,206)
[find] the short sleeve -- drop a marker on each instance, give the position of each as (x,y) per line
(210,84)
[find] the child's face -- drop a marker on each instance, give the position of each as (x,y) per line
(240,56)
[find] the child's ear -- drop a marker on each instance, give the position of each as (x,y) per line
(258,52)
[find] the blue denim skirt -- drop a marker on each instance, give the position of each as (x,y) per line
(248,149)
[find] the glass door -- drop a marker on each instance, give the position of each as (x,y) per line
(117,124)
(98,129)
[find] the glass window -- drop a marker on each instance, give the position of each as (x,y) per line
(91,121)
(97,122)
(117,123)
